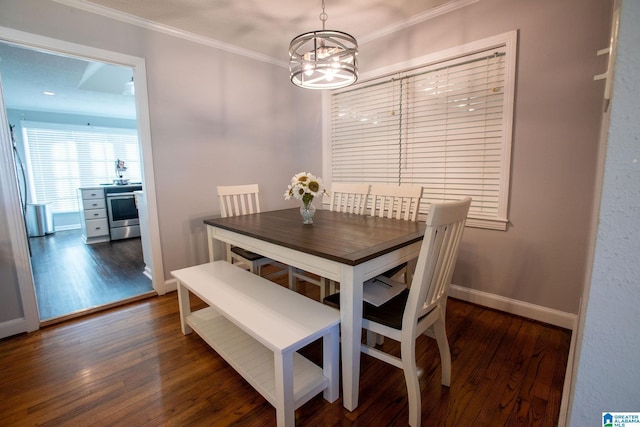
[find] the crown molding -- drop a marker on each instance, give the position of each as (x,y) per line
(168,30)
(87,6)
(416,19)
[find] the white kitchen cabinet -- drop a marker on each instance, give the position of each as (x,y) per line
(93,215)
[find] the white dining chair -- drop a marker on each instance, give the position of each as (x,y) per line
(242,200)
(399,202)
(347,197)
(421,308)
(395,201)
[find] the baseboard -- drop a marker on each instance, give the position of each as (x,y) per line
(170,285)
(518,308)
(13,327)
(67,227)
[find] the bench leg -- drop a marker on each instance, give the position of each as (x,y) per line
(331,363)
(285,406)
(185,308)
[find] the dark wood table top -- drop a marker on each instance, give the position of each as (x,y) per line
(346,238)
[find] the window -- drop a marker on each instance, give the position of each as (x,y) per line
(445,125)
(62,158)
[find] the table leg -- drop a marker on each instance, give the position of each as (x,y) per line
(185,307)
(217,249)
(210,243)
(351,279)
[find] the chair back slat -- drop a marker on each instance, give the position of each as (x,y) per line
(349,197)
(395,201)
(238,199)
(437,259)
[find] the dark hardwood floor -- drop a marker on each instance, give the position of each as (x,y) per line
(131,366)
(72,278)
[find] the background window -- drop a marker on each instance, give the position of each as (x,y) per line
(445,126)
(62,158)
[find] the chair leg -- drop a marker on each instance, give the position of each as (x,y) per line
(408,352)
(332,287)
(372,338)
(440,333)
(228,252)
(292,279)
(252,267)
(323,288)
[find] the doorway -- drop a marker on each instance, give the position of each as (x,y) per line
(59,52)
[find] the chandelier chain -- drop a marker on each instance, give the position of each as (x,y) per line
(323,16)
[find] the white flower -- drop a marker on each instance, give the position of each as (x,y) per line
(305,186)
(300,177)
(289,192)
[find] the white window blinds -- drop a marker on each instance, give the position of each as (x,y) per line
(445,126)
(62,158)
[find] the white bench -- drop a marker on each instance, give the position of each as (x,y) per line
(257,326)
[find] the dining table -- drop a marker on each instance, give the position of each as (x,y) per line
(347,248)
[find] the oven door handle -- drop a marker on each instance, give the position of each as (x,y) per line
(119,195)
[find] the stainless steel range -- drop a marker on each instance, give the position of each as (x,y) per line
(122,211)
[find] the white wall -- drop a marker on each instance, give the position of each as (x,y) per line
(541,259)
(607,377)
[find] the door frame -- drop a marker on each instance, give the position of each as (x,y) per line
(30,320)
(16,222)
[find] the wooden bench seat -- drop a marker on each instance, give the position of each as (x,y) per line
(257,326)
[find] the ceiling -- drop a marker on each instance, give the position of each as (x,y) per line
(258,29)
(78,86)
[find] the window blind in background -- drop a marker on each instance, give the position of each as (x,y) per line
(62,158)
(366,134)
(441,126)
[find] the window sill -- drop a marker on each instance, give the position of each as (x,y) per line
(490,224)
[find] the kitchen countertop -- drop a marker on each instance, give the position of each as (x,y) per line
(135,185)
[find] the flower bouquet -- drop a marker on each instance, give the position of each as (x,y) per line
(305,186)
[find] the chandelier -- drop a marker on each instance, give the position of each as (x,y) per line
(323,59)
